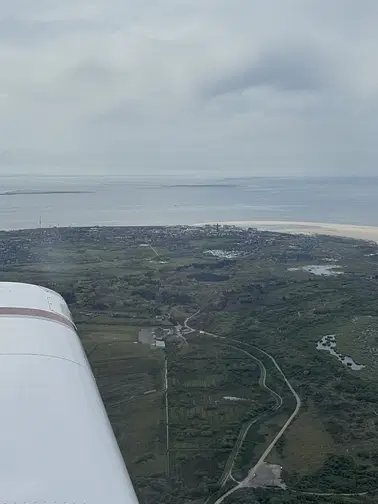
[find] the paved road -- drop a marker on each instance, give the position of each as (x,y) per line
(288,422)
(262,379)
(167,416)
(166,402)
(246,481)
(251,474)
(189,318)
(227,473)
(178,328)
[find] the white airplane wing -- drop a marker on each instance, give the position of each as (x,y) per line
(56,442)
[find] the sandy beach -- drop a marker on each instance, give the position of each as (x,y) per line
(325,228)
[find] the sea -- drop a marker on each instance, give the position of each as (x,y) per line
(47,201)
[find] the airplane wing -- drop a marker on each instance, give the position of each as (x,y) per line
(56,441)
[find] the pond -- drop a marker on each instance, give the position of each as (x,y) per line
(319,269)
(328,343)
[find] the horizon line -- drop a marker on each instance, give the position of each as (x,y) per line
(182,175)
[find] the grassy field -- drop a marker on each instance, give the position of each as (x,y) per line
(130,379)
(212,390)
(305,445)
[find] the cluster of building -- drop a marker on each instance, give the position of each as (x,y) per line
(158,336)
(17,247)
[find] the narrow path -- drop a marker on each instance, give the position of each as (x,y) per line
(189,318)
(178,328)
(128,398)
(245,483)
(262,379)
(286,425)
(252,472)
(166,404)
(182,338)
(167,414)
(154,250)
(227,472)
(360,494)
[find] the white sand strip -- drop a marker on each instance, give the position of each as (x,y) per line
(325,228)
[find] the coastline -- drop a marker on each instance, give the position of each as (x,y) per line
(297,227)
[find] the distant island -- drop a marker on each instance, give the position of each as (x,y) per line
(15,193)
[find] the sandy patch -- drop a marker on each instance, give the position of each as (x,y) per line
(319,270)
(349,230)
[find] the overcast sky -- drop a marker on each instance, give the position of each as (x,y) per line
(228,87)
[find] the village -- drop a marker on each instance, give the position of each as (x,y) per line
(23,246)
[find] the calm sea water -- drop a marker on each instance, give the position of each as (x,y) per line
(167,201)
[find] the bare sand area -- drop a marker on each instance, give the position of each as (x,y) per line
(324,228)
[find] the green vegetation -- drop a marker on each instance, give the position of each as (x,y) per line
(248,496)
(117,284)
(202,376)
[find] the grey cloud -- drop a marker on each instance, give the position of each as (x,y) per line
(94,72)
(22,31)
(248,87)
(290,69)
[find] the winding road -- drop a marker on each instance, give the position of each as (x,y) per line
(166,402)
(252,472)
(262,379)
(166,414)
(227,473)
(190,318)
(286,425)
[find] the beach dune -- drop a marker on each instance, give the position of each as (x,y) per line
(349,230)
